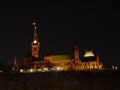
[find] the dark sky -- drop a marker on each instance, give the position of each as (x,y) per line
(59,25)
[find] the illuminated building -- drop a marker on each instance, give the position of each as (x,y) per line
(33,61)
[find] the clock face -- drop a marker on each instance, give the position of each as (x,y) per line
(35,41)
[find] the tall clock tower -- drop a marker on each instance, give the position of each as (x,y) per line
(35,45)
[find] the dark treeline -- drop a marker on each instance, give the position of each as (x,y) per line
(65,80)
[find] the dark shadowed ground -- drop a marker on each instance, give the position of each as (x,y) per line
(70,80)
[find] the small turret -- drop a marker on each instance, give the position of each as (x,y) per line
(97,58)
(15,65)
(76,51)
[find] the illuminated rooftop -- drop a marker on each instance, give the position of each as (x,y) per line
(88,53)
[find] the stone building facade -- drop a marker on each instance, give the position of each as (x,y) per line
(34,61)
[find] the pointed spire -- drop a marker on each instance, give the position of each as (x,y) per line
(15,61)
(97,58)
(76,51)
(15,65)
(35,31)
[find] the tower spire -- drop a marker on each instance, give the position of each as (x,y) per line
(76,51)
(35,31)
(97,58)
(15,65)
(35,42)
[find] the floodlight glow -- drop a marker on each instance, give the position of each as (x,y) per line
(35,41)
(88,54)
(31,70)
(21,70)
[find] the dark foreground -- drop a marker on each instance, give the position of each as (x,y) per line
(70,80)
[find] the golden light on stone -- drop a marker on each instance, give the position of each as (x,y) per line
(58,62)
(88,54)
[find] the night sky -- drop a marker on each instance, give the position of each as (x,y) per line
(59,25)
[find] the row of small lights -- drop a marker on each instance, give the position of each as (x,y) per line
(40,70)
